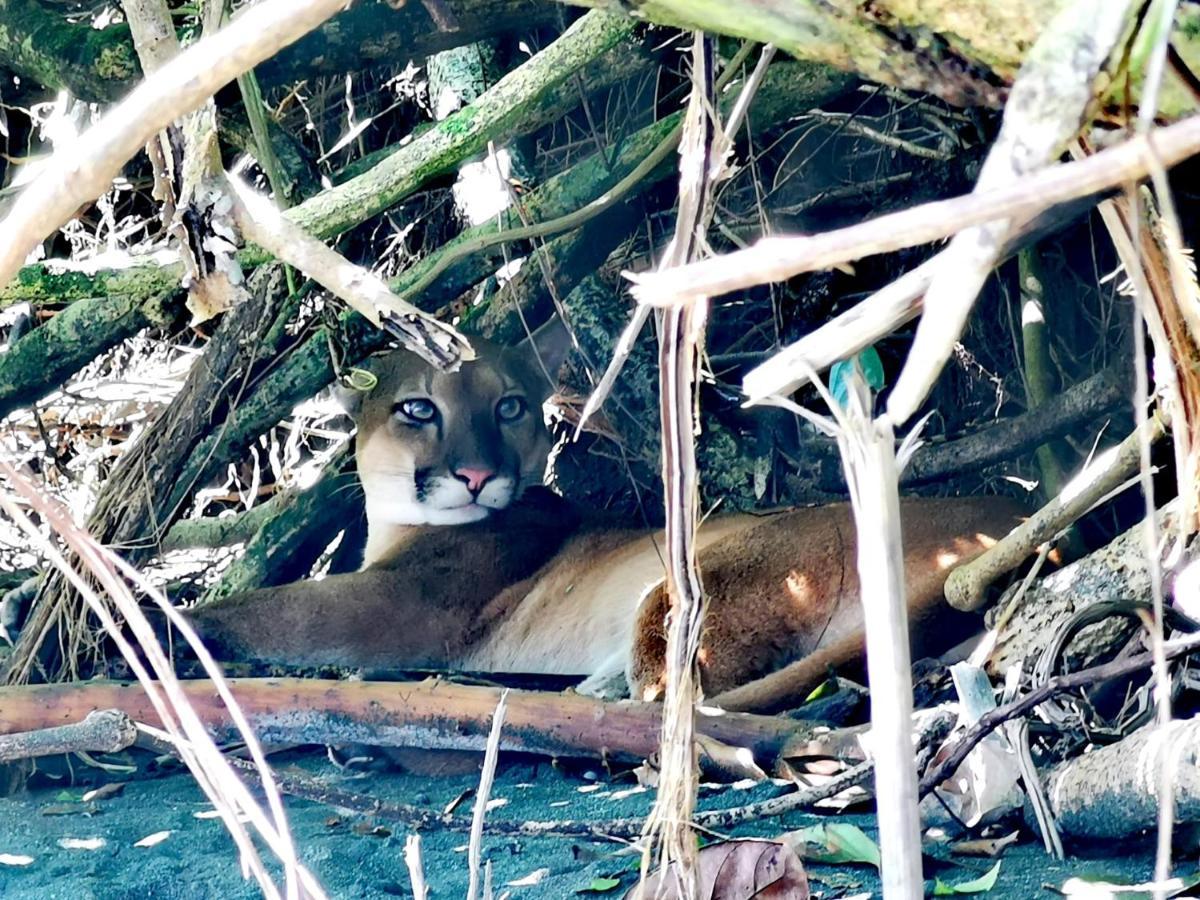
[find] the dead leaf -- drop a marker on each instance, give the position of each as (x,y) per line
(737,870)
(112,789)
(454,804)
(368,829)
(984,846)
(153,840)
(69,809)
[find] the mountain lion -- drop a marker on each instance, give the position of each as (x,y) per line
(471,565)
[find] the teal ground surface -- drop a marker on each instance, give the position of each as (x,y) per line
(197,860)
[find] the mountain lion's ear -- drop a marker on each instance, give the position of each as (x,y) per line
(551,343)
(351,388)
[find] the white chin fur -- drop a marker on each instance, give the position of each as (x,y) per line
(447,503)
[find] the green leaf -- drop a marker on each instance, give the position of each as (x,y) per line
(826,688)
(834,843)
(841,371)
(872,368)
(980,885)
(600,885)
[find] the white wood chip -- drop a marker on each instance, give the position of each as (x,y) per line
(151,840)
(534,877)
(95,843)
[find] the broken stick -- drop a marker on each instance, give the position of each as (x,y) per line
(101,731)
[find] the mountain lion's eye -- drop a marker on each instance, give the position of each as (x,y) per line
(417,410)
(509,409)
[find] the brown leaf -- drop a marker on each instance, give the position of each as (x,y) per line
(69,809)
(737,870)
(369,829)
(990,847)
(112,789)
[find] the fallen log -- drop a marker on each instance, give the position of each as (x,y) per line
(1113,792)
(431,714)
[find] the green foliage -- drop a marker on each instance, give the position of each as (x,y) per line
(869,364)
(600,885)
(980,885)
(835,843)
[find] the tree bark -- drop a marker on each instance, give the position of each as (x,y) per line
(431,714)
(46,357)
(967,52)
(100,65)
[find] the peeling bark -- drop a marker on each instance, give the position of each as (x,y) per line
(433,714)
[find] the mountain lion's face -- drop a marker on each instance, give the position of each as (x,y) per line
(446,449)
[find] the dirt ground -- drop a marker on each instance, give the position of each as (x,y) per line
(354,859)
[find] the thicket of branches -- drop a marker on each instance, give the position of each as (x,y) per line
(160,376)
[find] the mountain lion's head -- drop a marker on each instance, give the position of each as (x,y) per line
(437,448)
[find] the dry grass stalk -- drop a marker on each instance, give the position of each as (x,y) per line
(81,172)
(1167,301)
(475,846)
(212,772)
(873,476)
(670,821)
(416,869)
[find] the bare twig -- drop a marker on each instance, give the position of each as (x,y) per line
(967,585)
(416,870)
(780,258)
(892,306)
(873,476)
(1054,686)
(368,294)
(1048,103)
(475,847)
(80,172)
(101,731)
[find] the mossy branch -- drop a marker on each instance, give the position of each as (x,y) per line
(292,538)
(967,52)
(595,185)
(46,357)
(496,114)
(100,65)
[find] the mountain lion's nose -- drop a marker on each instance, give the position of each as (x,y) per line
(474,479)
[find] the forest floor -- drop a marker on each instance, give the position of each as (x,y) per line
(356,858)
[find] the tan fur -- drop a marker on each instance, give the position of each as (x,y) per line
(541,586)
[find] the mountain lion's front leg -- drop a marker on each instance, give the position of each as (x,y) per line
(375,618)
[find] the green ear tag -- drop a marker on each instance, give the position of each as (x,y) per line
(359,380)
